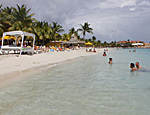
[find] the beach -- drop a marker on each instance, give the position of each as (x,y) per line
(81,85)
(14,66)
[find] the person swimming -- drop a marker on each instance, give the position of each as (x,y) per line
(94,50)
(133,67)
(134,50)
(110,61)
(138,66)
(104,54)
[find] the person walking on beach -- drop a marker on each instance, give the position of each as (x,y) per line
(138,66)
(133,67)
(110,61)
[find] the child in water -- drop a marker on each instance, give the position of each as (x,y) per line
(104,54)
(110,61)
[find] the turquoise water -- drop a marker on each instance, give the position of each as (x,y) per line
(85,86)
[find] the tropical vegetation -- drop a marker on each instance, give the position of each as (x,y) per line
(85,28)
(19,18)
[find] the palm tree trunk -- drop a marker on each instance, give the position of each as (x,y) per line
(54,41)
(84,35)
(43,41)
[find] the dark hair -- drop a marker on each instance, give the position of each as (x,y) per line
(132,64)
(110,58)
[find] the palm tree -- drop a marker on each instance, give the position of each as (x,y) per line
(1,30)
(22,21)
(86,40)
(55,28)
(1,21)
(35,30)
(93,38)
(41,31)
(73,31)
(98,43)
(128,40)
(89,40)
(66,37)
(18,26)
(85,28)
(5,19)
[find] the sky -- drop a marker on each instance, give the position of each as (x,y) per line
(111,20)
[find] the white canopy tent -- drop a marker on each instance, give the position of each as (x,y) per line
(14,47)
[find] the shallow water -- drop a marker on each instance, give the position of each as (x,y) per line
(85,86)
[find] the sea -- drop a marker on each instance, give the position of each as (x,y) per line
(84,86)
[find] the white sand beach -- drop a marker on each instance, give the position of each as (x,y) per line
(13,66)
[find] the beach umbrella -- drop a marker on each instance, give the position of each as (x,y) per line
(8,37)
(88,43)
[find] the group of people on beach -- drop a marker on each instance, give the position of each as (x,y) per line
(132,66)
(90,49)
(55,49)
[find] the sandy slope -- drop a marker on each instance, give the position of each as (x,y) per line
(11,63)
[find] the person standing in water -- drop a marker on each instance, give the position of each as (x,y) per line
(104,54)
(133,67)
(138,66)
(110,61)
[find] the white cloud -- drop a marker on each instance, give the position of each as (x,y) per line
(128,3)
(109,4)
(145,2)
(132,9)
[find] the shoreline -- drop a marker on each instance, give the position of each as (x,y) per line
(15,68)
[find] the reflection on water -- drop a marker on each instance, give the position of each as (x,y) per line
(86,86)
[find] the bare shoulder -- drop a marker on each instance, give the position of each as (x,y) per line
(134,69)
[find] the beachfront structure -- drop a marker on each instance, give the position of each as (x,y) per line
(73,40)
(123,42)
(54,43)
(137,44)
(19,37)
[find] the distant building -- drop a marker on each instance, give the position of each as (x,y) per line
(136,41)
(137,44)
(147,44)
(123,42)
